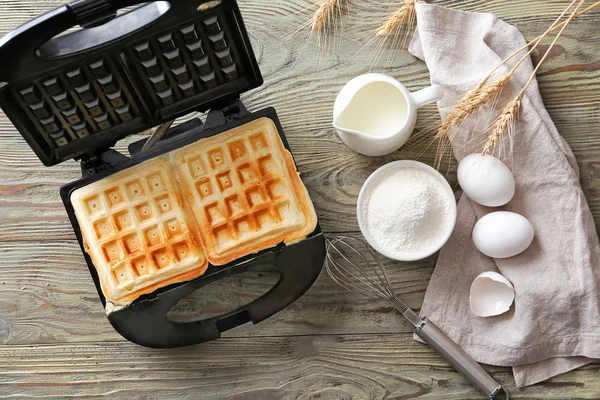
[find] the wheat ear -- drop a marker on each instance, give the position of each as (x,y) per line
(469,103)
(405,14)
(509,113)
(480,96)
(324,15)
(503,124)
(394,31)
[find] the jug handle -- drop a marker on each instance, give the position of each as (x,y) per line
(427,95)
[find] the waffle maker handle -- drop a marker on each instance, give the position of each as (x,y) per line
(37,33)
(146,323)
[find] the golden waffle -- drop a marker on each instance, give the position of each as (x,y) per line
(244,191)
(138,232)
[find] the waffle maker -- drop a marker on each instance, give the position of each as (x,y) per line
(72,94)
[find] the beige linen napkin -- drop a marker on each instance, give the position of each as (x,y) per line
(554,324)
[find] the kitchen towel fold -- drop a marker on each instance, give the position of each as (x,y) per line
(554,324)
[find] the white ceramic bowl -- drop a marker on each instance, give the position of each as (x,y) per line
(362,223)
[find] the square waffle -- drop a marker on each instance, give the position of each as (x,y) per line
(138,231)
(245,192)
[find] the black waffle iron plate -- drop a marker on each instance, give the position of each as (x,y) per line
(73,94)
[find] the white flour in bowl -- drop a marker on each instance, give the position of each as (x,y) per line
(407,210)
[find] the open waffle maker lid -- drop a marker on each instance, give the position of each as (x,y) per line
(72,93)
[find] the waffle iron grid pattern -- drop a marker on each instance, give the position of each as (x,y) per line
(141,228)
(181,63)
(241,190)
(78,102)
(173,66)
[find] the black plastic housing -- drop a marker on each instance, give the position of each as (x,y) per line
(75,94)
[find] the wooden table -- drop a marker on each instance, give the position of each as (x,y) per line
(330,344)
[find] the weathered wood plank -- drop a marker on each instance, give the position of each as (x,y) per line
(47,296)
(318,367)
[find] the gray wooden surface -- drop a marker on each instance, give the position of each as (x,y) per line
(56,342)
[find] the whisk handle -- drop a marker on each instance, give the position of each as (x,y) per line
(461,361)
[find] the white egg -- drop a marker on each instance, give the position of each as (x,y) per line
(486,180)
(503,234)
(491,294)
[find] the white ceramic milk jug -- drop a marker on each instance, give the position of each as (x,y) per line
(375,115)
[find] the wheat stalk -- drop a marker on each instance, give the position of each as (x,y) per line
(470,103)
(325,24)
(503,124)
(480,96)
(509,113)
(394,31)
(405,14)
(324,15)
(476,98)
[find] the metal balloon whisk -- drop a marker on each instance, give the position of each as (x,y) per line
(355,266)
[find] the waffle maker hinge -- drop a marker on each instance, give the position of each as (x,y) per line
(220,116)
(216,118)
(96,163)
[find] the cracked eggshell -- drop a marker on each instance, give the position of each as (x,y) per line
(491,294)
(486,180)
